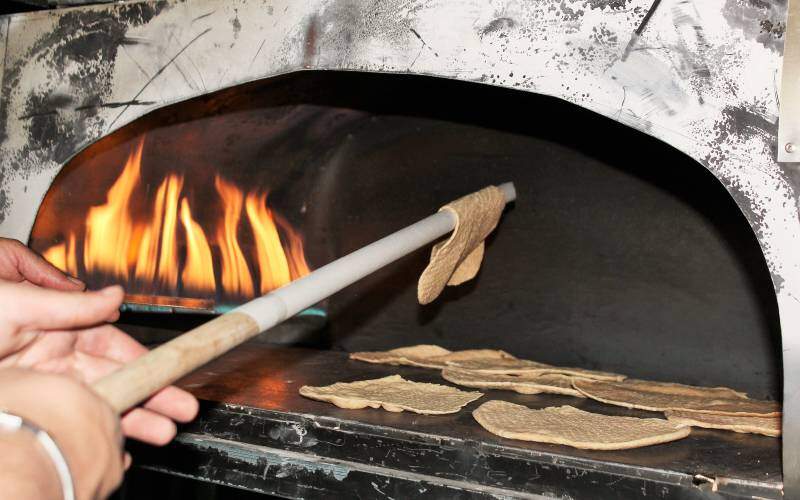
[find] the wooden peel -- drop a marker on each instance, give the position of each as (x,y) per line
(165,364)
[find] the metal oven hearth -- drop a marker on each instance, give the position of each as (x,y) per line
(257,433)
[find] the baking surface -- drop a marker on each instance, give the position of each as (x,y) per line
(257,376)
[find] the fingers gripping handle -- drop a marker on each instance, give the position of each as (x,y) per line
(165,364)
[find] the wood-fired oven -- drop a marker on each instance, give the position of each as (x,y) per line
(202,152)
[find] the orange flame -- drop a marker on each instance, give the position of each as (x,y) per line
(298,267)
(63,256)
(147,254)
(198,273)
(271,259)
(168,258)
(235,274)
(167,251)
(108,227)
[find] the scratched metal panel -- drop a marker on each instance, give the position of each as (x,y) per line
(789,130)
(702,76)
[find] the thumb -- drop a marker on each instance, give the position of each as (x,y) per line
(39,308)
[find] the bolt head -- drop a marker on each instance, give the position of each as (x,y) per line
(790,147)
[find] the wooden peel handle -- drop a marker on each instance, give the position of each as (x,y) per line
(137,381)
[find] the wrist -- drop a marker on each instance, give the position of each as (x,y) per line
(26,470)
(85,428)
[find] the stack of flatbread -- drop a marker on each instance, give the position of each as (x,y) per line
(684,406)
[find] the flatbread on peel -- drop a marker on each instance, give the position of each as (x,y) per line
(523,366)
(573,427)
(426,356)
(523,384)
(768,426)
(459,258)
(393,393)
(656,396)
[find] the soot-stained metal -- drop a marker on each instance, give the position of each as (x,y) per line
(702,76)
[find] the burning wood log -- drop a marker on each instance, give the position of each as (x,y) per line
(167,363)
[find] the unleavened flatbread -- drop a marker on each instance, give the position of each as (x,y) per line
(426,356)
(411,355)
(393,393)
(459,258)
(573,427)
(657,396)
(768,426)
(524,384)
(523,366)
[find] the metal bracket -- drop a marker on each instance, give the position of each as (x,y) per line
(789,124)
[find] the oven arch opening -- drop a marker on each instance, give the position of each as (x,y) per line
(607,260)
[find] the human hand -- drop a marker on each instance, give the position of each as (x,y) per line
(65,332)
(83,426)
(20,263)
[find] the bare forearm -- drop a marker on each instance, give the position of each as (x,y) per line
(25,470)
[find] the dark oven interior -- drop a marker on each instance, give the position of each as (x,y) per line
(621,253)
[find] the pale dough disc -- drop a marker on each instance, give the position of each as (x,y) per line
(393,393)
(656,396)
(467,354)
(523,366)
(573,427)
(413,355)
(524,384)
(426,356)
(768,426)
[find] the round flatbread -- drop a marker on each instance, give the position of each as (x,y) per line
(426,356)
(656,396)
(573,427)
(768,426)
(393,393)
(523,384)
(523,366)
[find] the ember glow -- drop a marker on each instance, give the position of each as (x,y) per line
(166,250)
